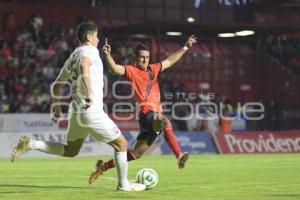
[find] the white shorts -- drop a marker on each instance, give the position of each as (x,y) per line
(99,125)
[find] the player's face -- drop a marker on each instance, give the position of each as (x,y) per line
(143,59)
(94,39)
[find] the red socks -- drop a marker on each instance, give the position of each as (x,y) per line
(130,155)
(172,141)
(111,163)
(108,165)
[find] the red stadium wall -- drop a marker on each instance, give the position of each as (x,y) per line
(67,14)
(283,18)
(274,82)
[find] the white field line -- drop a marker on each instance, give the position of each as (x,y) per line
(56,176)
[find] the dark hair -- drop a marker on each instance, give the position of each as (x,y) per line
(85,28)
(140,47)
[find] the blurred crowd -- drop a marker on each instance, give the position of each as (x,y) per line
(31,58)
(285,49)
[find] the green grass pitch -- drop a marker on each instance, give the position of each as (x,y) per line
(218,177)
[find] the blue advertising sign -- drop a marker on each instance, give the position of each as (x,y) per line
(192,142)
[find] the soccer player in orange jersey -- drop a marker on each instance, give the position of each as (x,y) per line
(144,79)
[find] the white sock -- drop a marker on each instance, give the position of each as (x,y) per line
(48,147)
(122,168)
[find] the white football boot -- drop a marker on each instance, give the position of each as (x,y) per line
(133,187)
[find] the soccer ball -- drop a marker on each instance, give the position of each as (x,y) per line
(147,176)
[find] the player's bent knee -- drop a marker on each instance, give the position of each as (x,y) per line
(72,148)
(71,154)
(122,147)
(123,144)
(120,144)
(158,125)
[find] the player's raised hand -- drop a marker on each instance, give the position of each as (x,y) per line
(106,41)
(106,48)
(191,41)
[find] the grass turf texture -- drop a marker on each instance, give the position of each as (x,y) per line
(243,177)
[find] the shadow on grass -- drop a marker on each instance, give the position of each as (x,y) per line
(114,194)
(44,186)
(13,192)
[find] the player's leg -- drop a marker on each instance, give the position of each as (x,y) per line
(120,160)
(70,150)
(170,138)
(75,138)
(145,122)
(120,157)
(138,150)
(157,122)
(104,129)
(25,144)
(144,141)
(140,147)
(73,147)
(76,133)
(146,136)
(120,146)
(105,166)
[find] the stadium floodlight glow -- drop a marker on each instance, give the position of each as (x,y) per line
(190,19)
(139,36)
(173,33)
(226,35)
(245,33)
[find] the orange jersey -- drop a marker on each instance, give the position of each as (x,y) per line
(145,84)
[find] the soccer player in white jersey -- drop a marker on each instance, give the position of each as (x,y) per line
(84,69)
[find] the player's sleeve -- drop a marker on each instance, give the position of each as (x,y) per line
(128,72)
(88,53)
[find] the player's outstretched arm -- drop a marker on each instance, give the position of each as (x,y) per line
(173,58)
(118,69)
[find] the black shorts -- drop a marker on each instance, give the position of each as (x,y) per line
(146,127)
